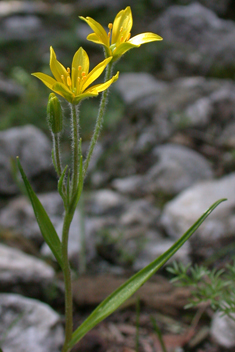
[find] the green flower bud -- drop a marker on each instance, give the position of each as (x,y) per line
(54,114)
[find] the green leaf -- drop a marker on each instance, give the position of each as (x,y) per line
(47,229)
(125,291)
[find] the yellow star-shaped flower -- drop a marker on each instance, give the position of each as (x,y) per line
(118,40)
(73,84)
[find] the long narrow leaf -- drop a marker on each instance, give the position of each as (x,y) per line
(125,291)
(47,229)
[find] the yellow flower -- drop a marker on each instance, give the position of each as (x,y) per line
(72,84)
(117,41)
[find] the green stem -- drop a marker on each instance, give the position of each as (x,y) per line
(67,281)
(75,147)
(99,120)
(56,147)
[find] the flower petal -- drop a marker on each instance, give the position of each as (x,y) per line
(122,49)
(102,86)
(83,96)
(80,59)
(47,80)
(98,29)
(95,73)
(122,26)
(62,90)
(57,68)
(93,37)
(144,38)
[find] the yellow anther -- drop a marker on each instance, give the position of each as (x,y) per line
(79,68)
(109,34)
(83,78)
(110,25)
(121,29)
(78,79)
(68,69)
(83,74)
(62,77)
(69,81)
(121,40)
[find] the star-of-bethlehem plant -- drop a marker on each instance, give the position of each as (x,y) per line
(74,85)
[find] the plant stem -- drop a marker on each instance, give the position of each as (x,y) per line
(56,147)
(75,144)
(67,281)
(99,120)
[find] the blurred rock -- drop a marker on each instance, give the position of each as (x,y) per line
(131,185)
(140,212)
(134,87)
(153,249)
(196,41)
(222,330)
(181,213)
(9,89)
(218,6)
(28,325)
(21,28)
(19,216)
(34,150)
(22,273)
(177,167)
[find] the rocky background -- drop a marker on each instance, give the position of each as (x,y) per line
(165,155)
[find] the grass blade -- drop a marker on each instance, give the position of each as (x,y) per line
(47,229)
(125,291)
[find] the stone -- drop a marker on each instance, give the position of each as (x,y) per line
(176,169)
(104,202)
(9,89)
(21,28)
(136,86)
(182,212)
(154,248)
(196,42)
(222,330)
(34,151)
(23,273)
(19,216)
(29,325)
(131,185)
(140,212)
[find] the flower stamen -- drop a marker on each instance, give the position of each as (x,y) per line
(69,81)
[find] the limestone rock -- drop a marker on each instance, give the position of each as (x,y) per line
(28,325)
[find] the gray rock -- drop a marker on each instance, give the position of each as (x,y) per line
(196,41)
(138,86)
(105,202)
(19,216)
(222,330)
(23,273)
(28,325)
(131,185)
(218,6)
(140,212)
(9,89)
(181,213)
(177,168)
(33,149)
(21,28)
(153,249)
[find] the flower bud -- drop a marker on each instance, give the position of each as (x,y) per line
(54,114)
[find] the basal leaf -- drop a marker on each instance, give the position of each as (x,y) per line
(47,229)
(125,291)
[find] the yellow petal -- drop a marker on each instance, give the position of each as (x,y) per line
(98,29)
(62,90)
(47,80)
(83,96)
(93,37)
(57,68)
(122,25)
(95,73)
(144,38)
(80,59)
(102,86)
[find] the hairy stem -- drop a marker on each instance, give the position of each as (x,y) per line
(99,120)
(75,146)
(67,281)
